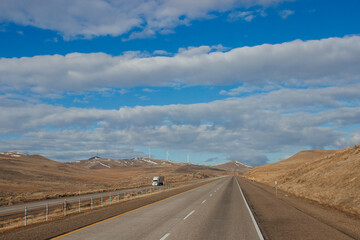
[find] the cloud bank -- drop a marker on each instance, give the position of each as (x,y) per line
(245,129)
(91,18)
(298,63)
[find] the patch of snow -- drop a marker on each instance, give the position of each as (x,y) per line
(149,161)
(241,164)
(14,154)
(104,165)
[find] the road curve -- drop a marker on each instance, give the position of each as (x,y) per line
(214,211)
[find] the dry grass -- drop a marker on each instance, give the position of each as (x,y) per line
(35,178)
(328,177)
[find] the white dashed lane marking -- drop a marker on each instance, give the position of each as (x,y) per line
(165,236)
(189,214)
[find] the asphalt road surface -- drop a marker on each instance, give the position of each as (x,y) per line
(214,211)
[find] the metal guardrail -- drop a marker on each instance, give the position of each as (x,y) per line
(41,211)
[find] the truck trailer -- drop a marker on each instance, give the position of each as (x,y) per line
(158,181)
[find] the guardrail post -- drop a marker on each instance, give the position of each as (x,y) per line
(79,205)
(65,207)
(47,212)
(102,204)
(25,216)
(91,203)
(118,197)
(110,198)
(124,195)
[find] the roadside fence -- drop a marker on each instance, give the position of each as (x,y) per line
(47,210)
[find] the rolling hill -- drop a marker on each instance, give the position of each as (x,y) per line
(233,166)
(329,177)
(32,177)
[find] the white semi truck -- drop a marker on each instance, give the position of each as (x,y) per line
(158,181)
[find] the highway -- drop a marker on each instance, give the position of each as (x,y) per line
(214,211)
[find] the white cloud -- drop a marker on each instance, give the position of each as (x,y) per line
(247,89)
(123,91)
(149,90)
(161,53)
(246,15)
(284,14)
(91,18)
(318,62)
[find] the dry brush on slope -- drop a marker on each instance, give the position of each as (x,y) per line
(326,176)
(33,177)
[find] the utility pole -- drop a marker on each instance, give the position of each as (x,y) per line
(188,158)
(149,151)
(167,155)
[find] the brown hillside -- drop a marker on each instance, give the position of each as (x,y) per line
(328,177)
(271,172)
(33,177)
(233,166)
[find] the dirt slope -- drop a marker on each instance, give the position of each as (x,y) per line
(328,177)
(233,166)
(33,177)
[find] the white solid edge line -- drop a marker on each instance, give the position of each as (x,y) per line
(251,214)
(189,214)
(165,236)
(203,201)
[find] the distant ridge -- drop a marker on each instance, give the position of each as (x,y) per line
(14,154)
(233,166)
(97,162)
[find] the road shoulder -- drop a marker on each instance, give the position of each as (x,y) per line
(287,217)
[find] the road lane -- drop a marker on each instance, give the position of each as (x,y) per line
(223,216)
(191,215)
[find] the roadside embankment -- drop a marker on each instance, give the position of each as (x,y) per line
(283,216)
(329,177)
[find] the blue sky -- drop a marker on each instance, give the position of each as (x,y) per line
(247,80)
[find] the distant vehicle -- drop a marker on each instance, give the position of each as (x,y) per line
(158,181)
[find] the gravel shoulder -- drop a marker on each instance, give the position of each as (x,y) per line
(287,217)
(73,222)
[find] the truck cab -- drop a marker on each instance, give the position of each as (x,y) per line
(158,181)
